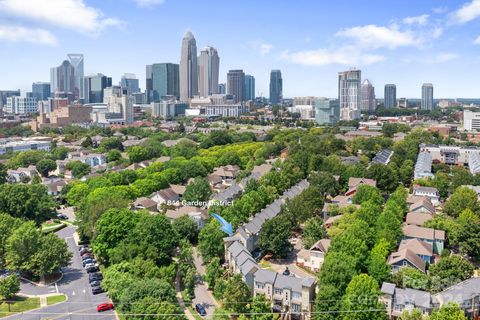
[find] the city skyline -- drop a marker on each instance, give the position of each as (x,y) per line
(417,44)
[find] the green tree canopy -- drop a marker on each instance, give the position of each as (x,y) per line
(463,198)
(44,166)
(274,236)
(360,297)
(198,190)
(449,271)
(313,231)
(449,311)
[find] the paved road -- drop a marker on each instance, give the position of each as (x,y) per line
(81,304)
(202,295)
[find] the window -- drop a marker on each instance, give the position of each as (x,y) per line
(260,285)
(398,307)
(296,307)
(296,295)
(277,291)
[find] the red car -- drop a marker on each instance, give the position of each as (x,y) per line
(104,307)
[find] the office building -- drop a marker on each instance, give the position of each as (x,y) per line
(130,81)
(427,97)
(168,109)
(93,86)
(402,103)
(390,96)
(120,108)
(34,143)
(471,120)
(349,83)
(367,97)
(188,68)
(62,79)
(20,105)
(209,68)
(276,87)
(162,81)
(41,90)
(61,117)
(4,94)
(249,87)
(222,88)
(327,111)
(236,84)
(76,60)
(226,111)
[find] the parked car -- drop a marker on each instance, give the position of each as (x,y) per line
(95,277)
(96,283)
(200,309)
(97,290)
(87,256)
(91,265)
(104,307)
(62,216)
(85,251)
(83,246)
(86,262)
(92,269)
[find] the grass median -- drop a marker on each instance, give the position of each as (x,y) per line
(18,305)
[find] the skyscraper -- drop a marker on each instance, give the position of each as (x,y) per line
(93,86)
(249,87)
(76,60)
(222,88)
(427,96)
(209,67)
(349,83)
(130,81)
(367,97)
(236,84)
(41,90)
(188,68)
(390,96)
(162,80)
(276,87)
(62,78)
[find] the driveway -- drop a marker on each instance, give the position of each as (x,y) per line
(202,295)
(279,265)
(81,303)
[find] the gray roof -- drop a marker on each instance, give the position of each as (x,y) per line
(383,157)
(308,281)
(460,292)
(242,257)
(265,276)
(288,282)
(247,266)
(235,248)
(388,288)
(411,296)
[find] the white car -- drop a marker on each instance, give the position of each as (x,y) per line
(90,265)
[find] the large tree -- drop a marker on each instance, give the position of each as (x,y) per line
(449,271)
(186,228)
(463,198)
(198,190)
(29,202)
(415,314)
(360,301)
(367,193)
(8,225)
(237,295)
(210,241)
(274,236)
(30,251)
(385,175)
(377,262)
(3,173)
(411,278)
(313,231)
(112,228)
(449,311)
(44,166)
(468,235)
(9,286)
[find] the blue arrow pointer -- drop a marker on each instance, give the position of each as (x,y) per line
(226,226)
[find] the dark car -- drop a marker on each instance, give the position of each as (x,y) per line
(87,256)
(85,251)
(92,269)
(95,277)
(97,290)
(95,283)
(62,216)
(200,309)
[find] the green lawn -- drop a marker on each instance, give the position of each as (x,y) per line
(56,299)
(20,304)
(264,264)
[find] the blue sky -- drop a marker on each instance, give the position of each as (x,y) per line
(406,42)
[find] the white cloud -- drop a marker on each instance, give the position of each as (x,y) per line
(440,10)
(374,37)
(320,57)
(444,57)
(477,40)
(69,14)
(265,49)
(30,35)
(468,12)
(437,32)
(420,20)
(262,48)
(148,3)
